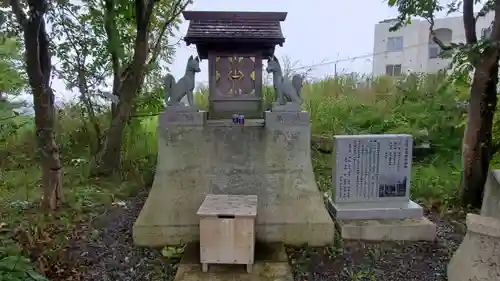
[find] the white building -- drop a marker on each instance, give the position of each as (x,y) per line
(410,49)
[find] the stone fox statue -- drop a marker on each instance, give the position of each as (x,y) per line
(283,86)
(174,92)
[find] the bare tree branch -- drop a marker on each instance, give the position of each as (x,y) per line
(487,7)
(177,9)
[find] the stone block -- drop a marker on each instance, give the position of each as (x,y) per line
(180,108)
(388,230)
(491,198)
(287,107)
(271,264)
(170,118)
(281,120)
(376,210)
(273,163)
(478,257)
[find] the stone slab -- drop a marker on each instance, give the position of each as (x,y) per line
(172,118)
(371,168)
(287,107)
(271,264)
(375,210)
(280,120)
(388,230)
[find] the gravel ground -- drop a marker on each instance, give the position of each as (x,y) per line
(105,252)
(387,261)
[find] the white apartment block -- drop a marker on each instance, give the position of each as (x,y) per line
(410,49)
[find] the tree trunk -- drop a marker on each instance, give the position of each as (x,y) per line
(477,141)
(110,157)
(132,78)
(38,66)
(89,108)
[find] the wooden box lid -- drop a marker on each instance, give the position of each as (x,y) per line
(229,205)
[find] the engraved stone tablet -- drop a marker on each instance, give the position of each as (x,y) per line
(372,168)
(372,177)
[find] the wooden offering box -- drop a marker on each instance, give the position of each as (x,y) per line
(227,230)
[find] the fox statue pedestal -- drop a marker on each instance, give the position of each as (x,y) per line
(270,159)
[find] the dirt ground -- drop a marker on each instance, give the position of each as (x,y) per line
(104,251)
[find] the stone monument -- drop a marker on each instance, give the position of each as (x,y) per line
(269,156)
(371,184)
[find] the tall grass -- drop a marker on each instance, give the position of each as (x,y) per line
(426,106)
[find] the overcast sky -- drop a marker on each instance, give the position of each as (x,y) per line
(315,31)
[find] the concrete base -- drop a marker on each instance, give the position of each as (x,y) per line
(491,197)
(478,257)
(174,117)
(375,210)
(270,160)
(180,108)
(287,107)
(271,264)
(388,230)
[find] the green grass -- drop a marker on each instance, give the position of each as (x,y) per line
(426,106)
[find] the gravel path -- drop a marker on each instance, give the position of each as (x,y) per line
(105,253)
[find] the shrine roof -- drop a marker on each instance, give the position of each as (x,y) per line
(256,27)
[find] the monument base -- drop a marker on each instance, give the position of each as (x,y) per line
(287,107)
(388,230)
(379,224)
(180,108)
(271,264)
(270,160)
(188,117)
(375,210)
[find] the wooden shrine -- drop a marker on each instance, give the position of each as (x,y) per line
(235,43)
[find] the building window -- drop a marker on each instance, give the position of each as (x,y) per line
(393,70)
(395,44)
(444,35)
(485,32)
(434,52)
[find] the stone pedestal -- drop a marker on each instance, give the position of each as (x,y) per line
(370,197)
(376,210)
(271,264)
(478,257)
(287,107)
(269,158)
(491,198)
(296,210)
(178,117)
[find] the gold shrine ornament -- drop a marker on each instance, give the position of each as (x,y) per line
(235,74)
